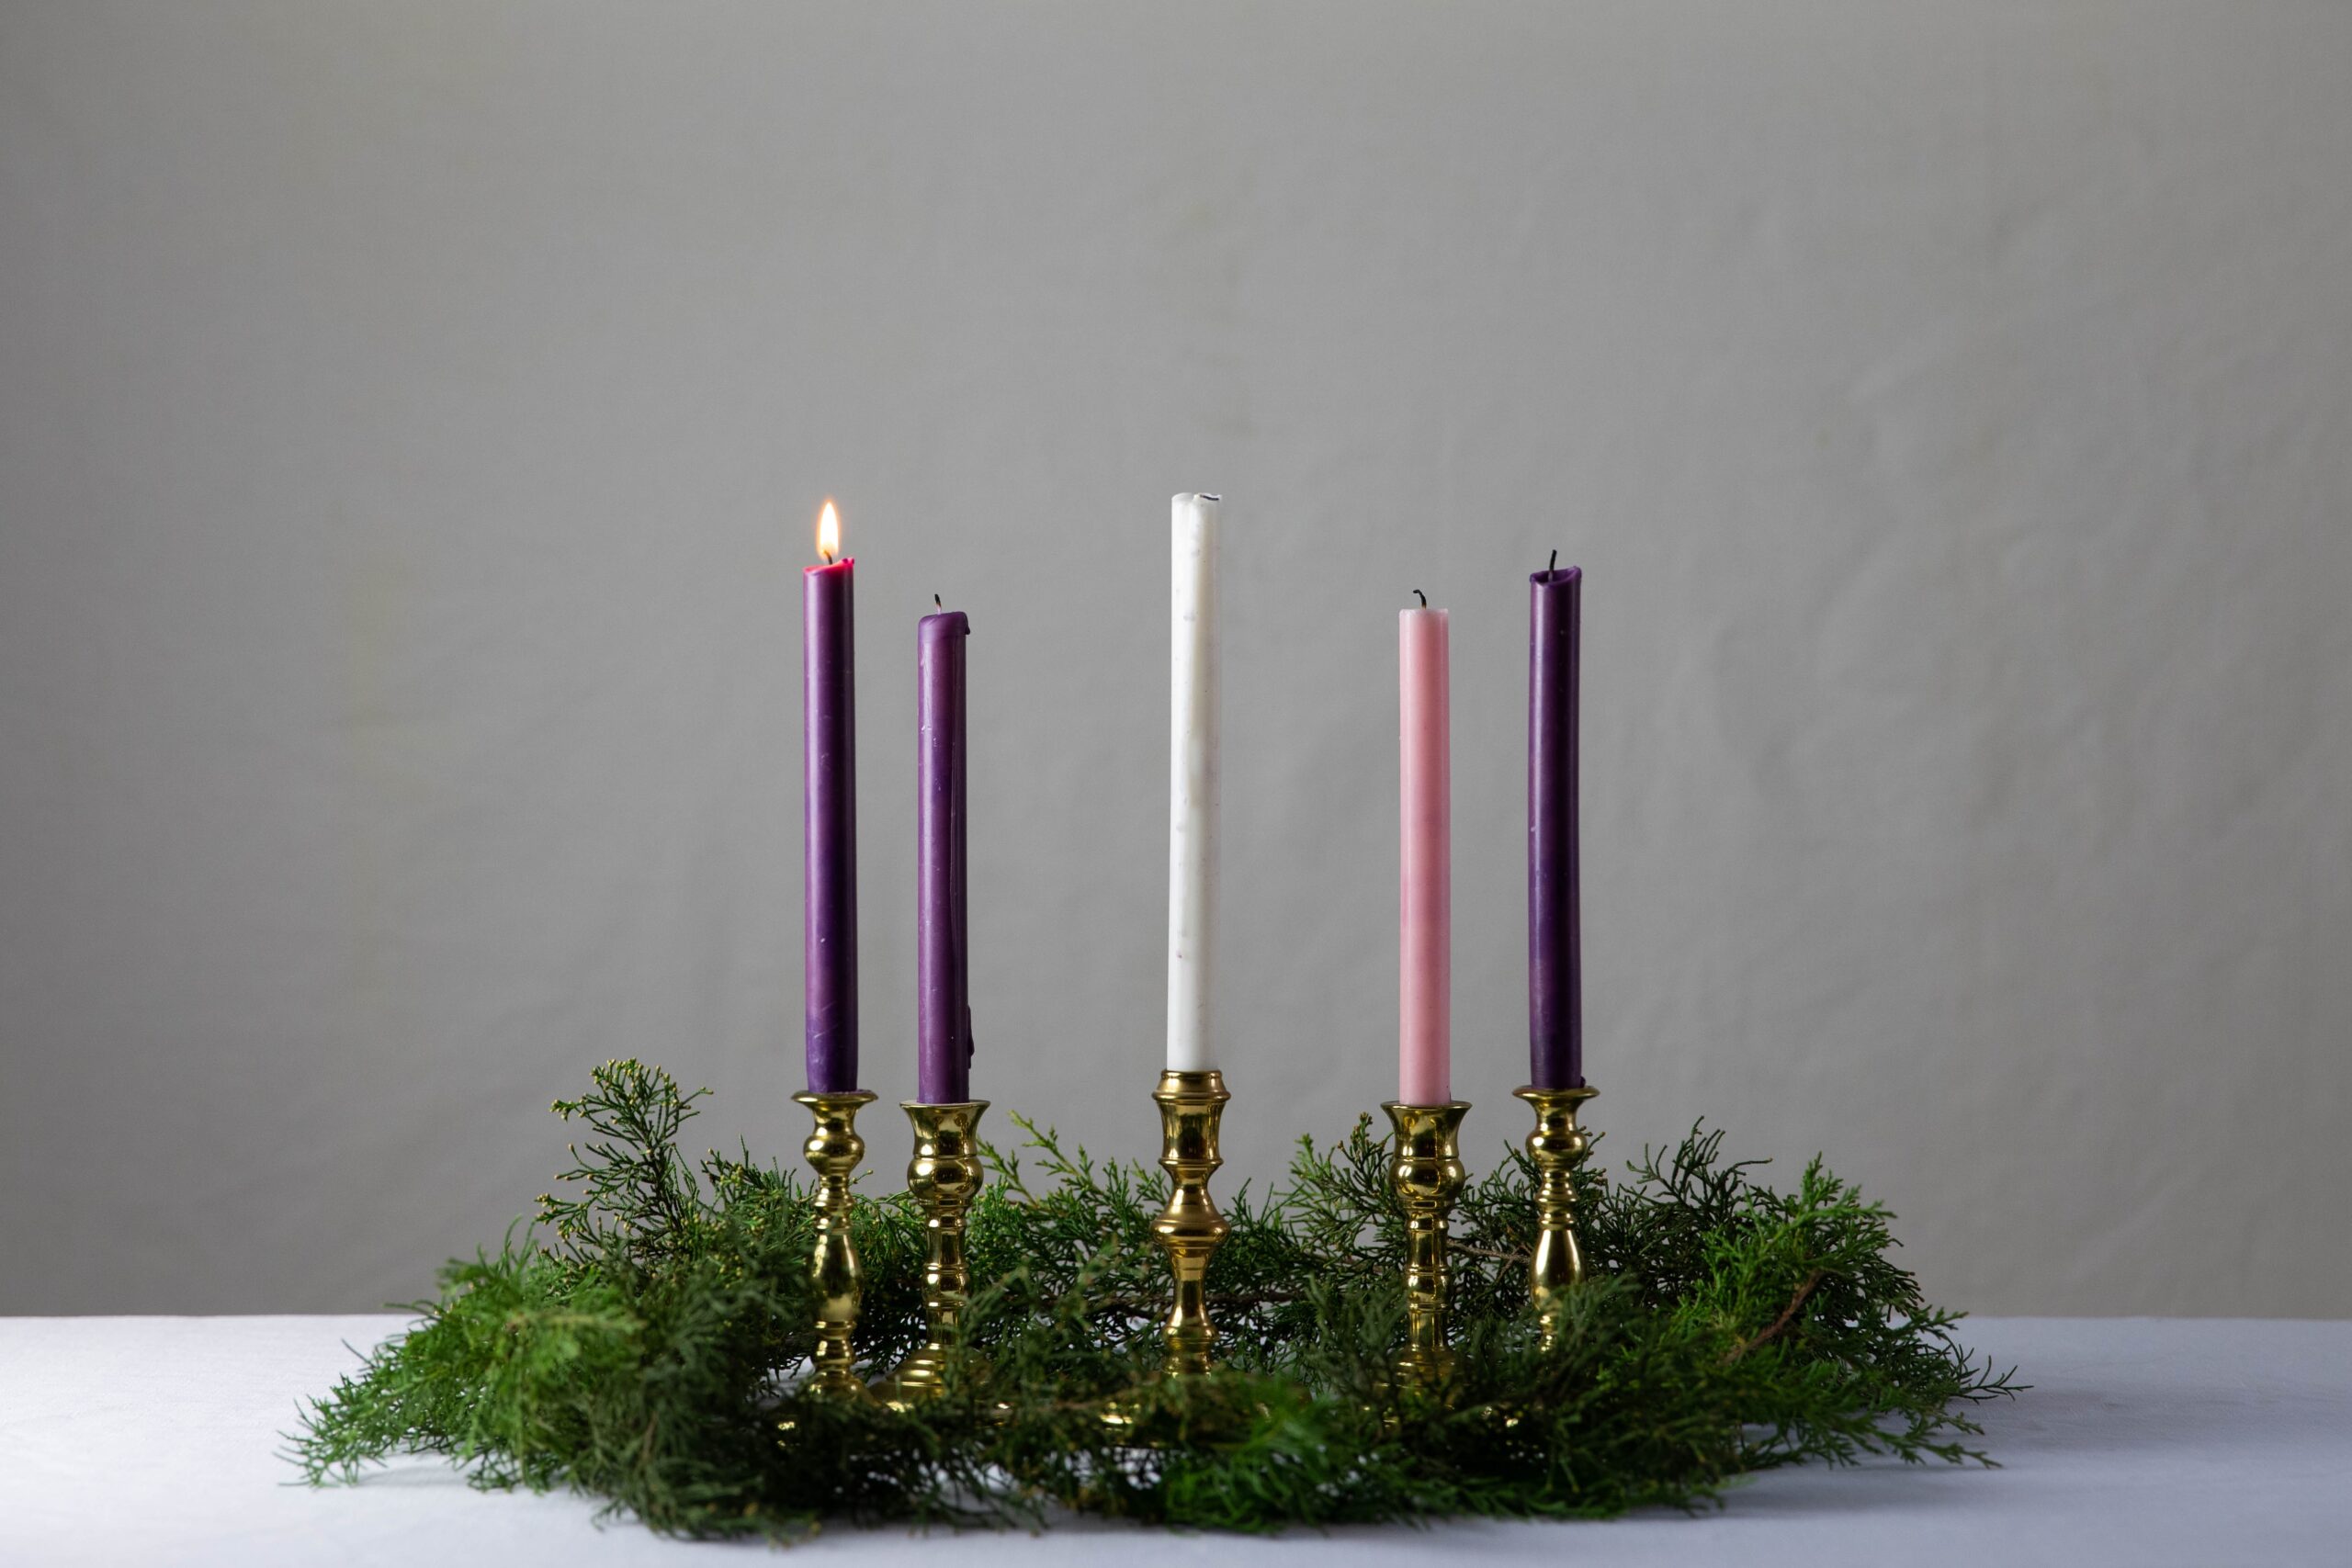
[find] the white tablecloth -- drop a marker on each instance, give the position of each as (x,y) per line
(134,1440)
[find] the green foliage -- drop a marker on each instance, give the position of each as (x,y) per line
(646,1348)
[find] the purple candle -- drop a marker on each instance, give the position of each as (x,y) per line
(828,757)
(1555,959)
(943,995)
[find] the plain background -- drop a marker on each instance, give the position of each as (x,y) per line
(413,416)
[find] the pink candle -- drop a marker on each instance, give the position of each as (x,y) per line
(1424,946)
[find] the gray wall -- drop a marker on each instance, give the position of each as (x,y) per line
(411,415)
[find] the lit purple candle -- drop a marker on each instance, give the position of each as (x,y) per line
(942,994)
(828,760)
(1555,958)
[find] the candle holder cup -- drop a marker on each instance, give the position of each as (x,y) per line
(942,1178)
(1428,1176)
(1555,1147)
(1192,1105)
(834,1150)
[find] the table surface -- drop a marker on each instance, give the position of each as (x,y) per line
(2144,1441)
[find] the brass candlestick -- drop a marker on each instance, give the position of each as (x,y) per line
(1427,1176)
(942,1178)
(1189,1230)
(834,1150)
(1556,1146)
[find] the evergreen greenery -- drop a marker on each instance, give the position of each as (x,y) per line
(643,1340)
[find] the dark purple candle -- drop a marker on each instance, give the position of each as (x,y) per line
(1554,957)
(829,756)
(943,995)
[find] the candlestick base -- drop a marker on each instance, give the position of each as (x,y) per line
(1192,1105)
(1428,1176)
(834,1150)
(1556,1147)
(942,1178)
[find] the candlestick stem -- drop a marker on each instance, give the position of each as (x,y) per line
(1191,1104)
(1556,1146)
(1427,1176)
(834,1150)
(942,1178)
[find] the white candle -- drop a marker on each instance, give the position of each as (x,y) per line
(1192,779)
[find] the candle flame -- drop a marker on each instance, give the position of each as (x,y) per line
(829,532)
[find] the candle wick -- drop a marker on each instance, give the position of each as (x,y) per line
(828,555)
(1555,562)
(934,599)
(1423,597)
(1207,496)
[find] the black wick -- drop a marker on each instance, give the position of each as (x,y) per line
(1423,597)
(934,599)
(1555,562)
